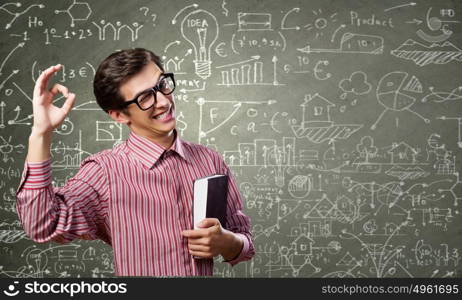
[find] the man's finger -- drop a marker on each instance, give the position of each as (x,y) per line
(209,222)
(50,71)
(42,81)
(199,248)
(201,254)
(198,241)
(59,88)
(195,233)
(38,88)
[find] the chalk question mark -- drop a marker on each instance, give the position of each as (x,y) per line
(146,11)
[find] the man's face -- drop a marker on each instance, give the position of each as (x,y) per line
(143,122)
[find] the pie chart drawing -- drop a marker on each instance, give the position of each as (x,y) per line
(397,91)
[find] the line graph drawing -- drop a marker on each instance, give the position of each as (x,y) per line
(16,14)
(108,131)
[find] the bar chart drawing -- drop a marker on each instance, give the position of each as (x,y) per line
(248,72)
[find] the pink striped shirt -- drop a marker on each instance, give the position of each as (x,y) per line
(137,197)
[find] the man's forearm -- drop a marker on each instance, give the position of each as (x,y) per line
(234,248)
(39,146)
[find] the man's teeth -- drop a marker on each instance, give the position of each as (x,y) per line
(162,116)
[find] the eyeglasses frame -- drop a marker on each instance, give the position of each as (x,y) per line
(155,89)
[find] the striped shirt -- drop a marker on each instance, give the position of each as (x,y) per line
(136,197)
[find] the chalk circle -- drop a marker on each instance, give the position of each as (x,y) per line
(334,247)
(320,23)
(299,186)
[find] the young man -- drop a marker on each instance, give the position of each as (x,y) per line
(138,196)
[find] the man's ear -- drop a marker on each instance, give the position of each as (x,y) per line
(119,116)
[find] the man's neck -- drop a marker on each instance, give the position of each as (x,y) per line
(165,141)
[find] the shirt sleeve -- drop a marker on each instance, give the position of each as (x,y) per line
(236,220)
(61,214)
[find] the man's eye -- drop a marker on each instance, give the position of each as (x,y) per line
(144,97)
(162,84)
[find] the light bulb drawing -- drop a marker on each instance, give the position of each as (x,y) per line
(200,29)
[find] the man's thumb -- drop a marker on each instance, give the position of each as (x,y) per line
(205,223)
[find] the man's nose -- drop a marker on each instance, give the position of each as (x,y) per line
(162,100)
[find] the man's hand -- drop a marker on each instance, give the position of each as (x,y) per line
(47,116)
(211,240)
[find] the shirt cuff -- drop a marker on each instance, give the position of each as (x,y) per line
(243,255)
(36,175)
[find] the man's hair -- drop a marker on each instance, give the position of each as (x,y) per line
(115,70)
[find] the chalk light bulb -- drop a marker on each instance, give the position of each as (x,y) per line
(200,29)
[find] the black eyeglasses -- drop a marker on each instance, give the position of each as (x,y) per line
(147,98)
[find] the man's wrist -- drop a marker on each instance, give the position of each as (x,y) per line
(37,133)
(233,248)
(39,145)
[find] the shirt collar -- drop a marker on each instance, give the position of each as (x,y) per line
(149,152)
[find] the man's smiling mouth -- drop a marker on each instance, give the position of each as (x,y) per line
(163,115)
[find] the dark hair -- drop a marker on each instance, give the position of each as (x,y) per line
(115,70)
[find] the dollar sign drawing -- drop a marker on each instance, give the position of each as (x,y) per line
(181,124)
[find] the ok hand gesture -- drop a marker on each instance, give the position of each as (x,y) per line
(47,116)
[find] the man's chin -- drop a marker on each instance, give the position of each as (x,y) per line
(165,128)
